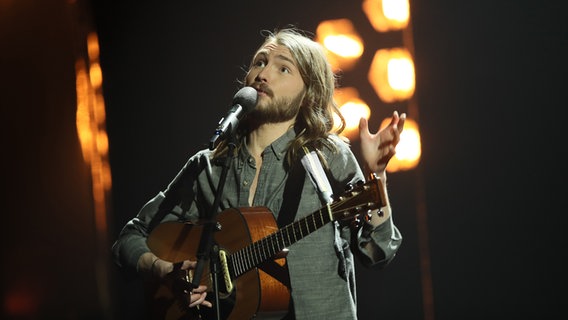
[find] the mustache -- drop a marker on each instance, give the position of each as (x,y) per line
(264,88)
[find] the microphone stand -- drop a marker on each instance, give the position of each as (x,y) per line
(207,248)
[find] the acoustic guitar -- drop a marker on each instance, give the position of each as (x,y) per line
(253,277)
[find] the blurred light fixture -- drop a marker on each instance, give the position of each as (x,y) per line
(352,108)
(392,74)
(409,148)
(342,43)
(90,121)
(387,15)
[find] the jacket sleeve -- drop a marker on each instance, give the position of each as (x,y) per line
(378,246)
(173,204)
(131,241)
(374,246)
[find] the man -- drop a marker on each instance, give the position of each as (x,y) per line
(293,118)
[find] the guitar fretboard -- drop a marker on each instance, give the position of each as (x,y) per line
(267,247)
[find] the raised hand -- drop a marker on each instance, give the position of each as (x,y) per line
(378,148)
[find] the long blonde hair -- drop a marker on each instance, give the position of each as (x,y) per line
(315,119)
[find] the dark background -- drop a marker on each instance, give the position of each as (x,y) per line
(490,95)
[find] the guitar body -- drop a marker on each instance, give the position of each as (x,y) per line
(260,293)
(254,280)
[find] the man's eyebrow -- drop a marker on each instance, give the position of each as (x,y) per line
(264,53)
(285,58)
(261,53)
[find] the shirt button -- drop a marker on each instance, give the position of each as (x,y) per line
(250,160)
(245,183)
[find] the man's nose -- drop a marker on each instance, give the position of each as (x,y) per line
(262,76)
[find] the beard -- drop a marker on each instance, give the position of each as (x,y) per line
(278,110)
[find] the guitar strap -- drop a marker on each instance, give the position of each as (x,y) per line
(313,166)
(294,186)
(293,193)
(291,196)
(317,174)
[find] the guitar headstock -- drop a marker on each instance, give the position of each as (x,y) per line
(360,198)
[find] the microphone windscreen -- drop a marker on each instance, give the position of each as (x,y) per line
(246,97)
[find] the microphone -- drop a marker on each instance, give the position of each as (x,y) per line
(243,102)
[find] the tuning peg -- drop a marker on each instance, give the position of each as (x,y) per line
(356,222)
(369,215)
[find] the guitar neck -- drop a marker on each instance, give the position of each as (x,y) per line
(264,249)
(360,198)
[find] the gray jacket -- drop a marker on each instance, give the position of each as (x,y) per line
(320,265)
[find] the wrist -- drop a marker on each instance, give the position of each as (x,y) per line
(146,263)
(153,266)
